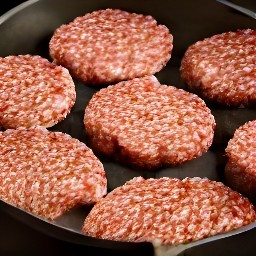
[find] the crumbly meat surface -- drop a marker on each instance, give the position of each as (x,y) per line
(168,210)
(112,45)
(48,173)
(148,125)
(34,92)
(222,68)
(240,170)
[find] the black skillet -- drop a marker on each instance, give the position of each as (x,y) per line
(27,29)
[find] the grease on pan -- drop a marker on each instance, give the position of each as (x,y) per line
(48,173)
(168,211)
(148,125)
(108,46)
(34,92)
(222,68)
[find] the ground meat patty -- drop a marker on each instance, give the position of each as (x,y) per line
(168,210)
(34,92)
(222,68)
(47,173)
(108,46)
(146,124)
(241,166)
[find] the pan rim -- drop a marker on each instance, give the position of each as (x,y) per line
(15,10)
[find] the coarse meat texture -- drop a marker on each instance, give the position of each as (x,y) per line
(112,45)
(168,211)
(34,92)
(240,171)
(48,173)
(148,125)
(222,68)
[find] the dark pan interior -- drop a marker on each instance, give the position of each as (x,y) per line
(29,30)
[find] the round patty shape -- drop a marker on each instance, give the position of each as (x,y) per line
(48,173)
(240,170)
(34,92)
(222,68)
(168,210)
(146,124)
(111,45)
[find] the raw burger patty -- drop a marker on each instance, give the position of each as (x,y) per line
(109,46)
(168,210)
(34,92)
(241,166)
(147,124)
(48,173)
(222,68)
